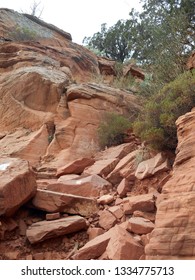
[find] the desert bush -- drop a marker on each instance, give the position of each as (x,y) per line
(23,34)
(156,123)
(112,129)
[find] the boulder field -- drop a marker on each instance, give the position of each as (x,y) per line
(61,195)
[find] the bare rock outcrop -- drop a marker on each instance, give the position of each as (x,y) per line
(173,236)
(17,185)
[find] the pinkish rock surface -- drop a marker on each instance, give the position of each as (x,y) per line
(51,201)
(75,167)
(40,231)
(88,186)
(140,225)
(17,184)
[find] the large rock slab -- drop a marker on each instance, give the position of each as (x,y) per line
(115,176)
(40,231)
(89,186)
(151,166)
(51,201)
(75,167)
(17,184)
(102,167)
(122,246)
(140,225)
(143,202)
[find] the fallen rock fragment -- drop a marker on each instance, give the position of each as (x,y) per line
(122,246)
(102,167)
(67,203)
(105,199)
(75,167)
(88,186)
(144,202)
(114,244)
(107,220)
(43,230)
(151,166)
(140,225)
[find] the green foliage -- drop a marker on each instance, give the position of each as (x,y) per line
(23,34)
(115,42)
(156,124)
(112,129)
(159,38)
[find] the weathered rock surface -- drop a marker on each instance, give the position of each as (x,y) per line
(40,81)
(144,202)
(40,231)
(89,186)
(75,167)
(17,184)
(151,166)
(173,236)
(116,243)
(51,201)
(140,225)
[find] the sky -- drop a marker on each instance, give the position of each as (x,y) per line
(78,17)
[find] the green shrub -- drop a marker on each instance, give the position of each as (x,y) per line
(112,129)
(156,124)
(23,34)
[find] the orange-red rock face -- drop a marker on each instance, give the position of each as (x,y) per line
(44,108)
(174,233)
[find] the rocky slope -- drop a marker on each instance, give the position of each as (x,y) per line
(61,196)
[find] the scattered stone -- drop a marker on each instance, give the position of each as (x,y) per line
(52,202)
(140,225)
(146,215)
(53,216)
(105,199)
(122,246)
(94,232)
(75,167)
(151,166)
(144,202)
(102,167)
(107,220)
(88,186)
(40,231)
(115,176)
(123,188)
(116,211)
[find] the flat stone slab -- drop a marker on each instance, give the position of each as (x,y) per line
(51,202)
(40,231)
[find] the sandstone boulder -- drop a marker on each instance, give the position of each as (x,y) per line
(122,246)
(151,166)
(116,243)
(51,201)
(124,187)
(102,167)
(40,231)
(115,176)
(144,202)
(17,184)
(140,225)
(107,220)
(75,167)
(89,186)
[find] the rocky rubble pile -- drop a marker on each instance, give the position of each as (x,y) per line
(91,198)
